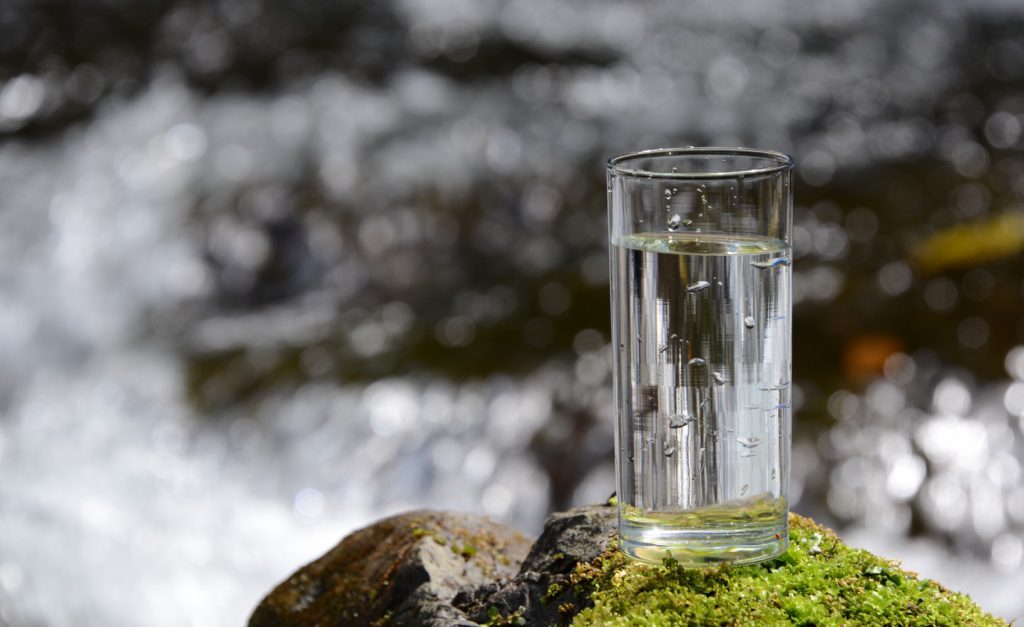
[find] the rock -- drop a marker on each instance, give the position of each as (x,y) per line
(402,570)
(416,569)
(542,593)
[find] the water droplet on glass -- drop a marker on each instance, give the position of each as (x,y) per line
(668,194)
(747,453)
(630,457)
(674,336)
(669,450)
(718,377)
(748,442)
(663,349)
(780,261)
(773,473)
(675,190)
(748,322)
(674,222)
(696,362)
(678,421)
(675,169)
(698,286)
(744,489)
(687,222)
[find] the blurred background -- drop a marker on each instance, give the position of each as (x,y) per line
(270,271)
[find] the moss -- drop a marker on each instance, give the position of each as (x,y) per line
(817,581)
(435,535)
(553,591)
(495,618)
(467,551)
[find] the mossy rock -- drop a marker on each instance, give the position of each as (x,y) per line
(817,581)
(403,570)
(418,570)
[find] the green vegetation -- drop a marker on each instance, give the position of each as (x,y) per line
(467,551)
(495,618)
(817,581)
(420,532)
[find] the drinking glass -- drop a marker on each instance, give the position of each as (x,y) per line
(700,243)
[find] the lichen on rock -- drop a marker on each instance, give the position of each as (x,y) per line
(431,568)
(403,570)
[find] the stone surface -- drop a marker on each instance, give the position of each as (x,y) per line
(402,570)
(542,593)
(434,569)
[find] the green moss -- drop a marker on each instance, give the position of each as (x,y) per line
(419,532)
(553,591)
(495,618)
(817,581)
(467,551)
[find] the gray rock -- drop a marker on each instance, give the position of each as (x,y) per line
(403,570)
(542,593)
(439,569)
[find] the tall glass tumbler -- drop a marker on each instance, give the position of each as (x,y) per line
(700,243)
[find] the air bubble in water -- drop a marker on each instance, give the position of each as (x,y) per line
(696,362)
(674,222)
(669,450)
(718,377)
(781,261)
(698,286)
(748,322)
(744,489)
(748,442)
(773,473)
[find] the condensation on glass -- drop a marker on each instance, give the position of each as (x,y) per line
(700,245)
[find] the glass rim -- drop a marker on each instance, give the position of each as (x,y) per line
(783,162)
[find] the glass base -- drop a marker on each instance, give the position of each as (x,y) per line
(652,543)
